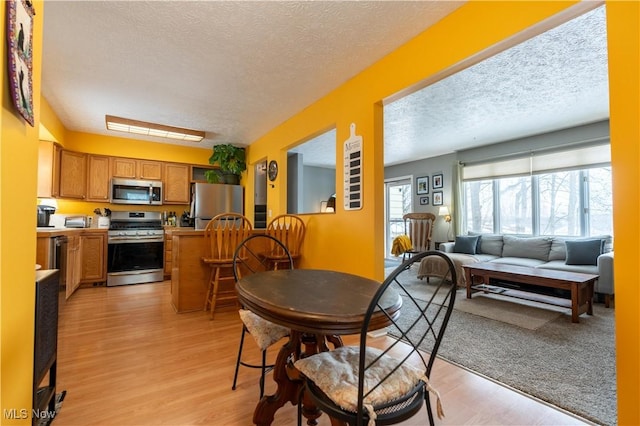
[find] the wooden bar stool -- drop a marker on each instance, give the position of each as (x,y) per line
(223,234)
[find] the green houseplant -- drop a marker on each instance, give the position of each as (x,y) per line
(231,163)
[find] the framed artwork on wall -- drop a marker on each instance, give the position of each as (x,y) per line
(422,185)
(437,181)
(437,198)
(424,201)
(20,55)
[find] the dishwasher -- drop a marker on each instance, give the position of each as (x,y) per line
(58,254)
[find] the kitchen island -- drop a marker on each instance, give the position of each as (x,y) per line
(189,275)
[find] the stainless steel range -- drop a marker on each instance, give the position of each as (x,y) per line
(135,248)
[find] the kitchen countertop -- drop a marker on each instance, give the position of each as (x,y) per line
(55,231)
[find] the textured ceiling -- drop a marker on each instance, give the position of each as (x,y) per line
(238,69)
(234,69)
(553,81)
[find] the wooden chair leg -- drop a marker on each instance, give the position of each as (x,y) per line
(207,300)
(214,297)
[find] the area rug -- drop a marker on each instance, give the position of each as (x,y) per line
(526,314)
(571,366)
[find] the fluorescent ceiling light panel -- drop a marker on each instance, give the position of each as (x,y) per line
(152,129)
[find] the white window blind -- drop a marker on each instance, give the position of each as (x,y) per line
(588,156)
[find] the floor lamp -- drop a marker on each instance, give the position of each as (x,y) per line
(444,211)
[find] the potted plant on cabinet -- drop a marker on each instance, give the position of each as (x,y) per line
(231,163)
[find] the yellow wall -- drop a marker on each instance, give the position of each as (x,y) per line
(624,91)
(18,162)
(469,30)
(50,121)
(352,241)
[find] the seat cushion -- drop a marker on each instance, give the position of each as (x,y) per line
(519,261)
(336,374)
(264,332)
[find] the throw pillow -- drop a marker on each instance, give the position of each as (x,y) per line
(466,244)
(584,252)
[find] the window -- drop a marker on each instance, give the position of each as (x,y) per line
(567,203)
(398,198)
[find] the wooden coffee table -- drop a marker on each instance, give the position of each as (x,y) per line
(479,276)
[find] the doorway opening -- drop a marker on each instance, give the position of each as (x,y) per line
(398,201)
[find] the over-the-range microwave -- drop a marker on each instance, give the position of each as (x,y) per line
(133,191)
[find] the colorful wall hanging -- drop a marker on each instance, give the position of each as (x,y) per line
(20,55)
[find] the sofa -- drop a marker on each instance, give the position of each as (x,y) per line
(592,255)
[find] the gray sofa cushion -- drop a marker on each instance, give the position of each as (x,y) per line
(584,252)
(559,265)
(489,243)
(466,244)
(519,261)
(558,249)
(530,247)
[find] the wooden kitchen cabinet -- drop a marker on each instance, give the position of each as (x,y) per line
(168,245)
(73,174)
(93,252)
(151,170)
(176,184)
(73,264)
(98,178)
(131,168)
(48,169)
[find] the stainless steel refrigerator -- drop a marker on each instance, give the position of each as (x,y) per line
(211,199)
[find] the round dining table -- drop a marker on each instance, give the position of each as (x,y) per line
(318,306)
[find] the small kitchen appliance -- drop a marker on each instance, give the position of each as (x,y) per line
(44,215)
(76,222)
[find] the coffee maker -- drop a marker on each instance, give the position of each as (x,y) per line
(44,215)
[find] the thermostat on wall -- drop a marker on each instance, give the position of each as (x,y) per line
(353,171)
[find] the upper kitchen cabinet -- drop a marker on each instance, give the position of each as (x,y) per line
(73,174)
(176,184)
(98,178)
(48,169)
(131,168)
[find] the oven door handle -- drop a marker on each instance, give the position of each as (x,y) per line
(125,240)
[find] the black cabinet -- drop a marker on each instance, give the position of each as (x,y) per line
(45,346)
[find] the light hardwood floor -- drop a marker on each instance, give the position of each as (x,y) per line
(126,358)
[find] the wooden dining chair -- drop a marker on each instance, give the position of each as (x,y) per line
(222,235)
(388,384)
(250,258)
(419,228)
(290,230)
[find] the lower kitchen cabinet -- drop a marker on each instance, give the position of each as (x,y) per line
(73,264)
(82,259)
(168,244)
(93,250)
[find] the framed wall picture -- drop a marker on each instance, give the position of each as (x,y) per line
(422,185)
(437,181)
(20,55)
(424,201)
(437,198)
